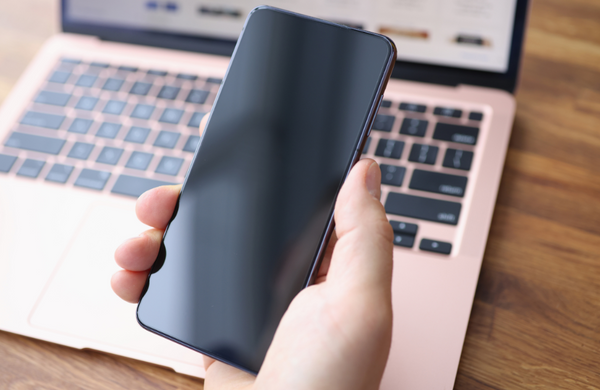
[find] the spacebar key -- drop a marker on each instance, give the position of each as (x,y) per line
(423,208)
(135,186)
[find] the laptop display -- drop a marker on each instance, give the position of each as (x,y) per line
(466,34)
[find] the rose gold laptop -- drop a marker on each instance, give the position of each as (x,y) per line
(110,108)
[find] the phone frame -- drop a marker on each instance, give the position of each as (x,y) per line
(324,240)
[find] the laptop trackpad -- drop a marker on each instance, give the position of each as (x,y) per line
(78,301)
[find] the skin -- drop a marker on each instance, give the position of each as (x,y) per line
(336,334)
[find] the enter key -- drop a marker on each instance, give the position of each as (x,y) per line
(440,183)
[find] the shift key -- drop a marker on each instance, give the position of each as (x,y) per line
(35,142)
(423,208)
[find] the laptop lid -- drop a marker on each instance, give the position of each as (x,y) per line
(447,42)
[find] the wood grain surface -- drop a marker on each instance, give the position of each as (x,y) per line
(536,317)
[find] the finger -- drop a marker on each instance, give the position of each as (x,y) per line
(220,376)
(207,361)
(128,285)
(203,124)
(139,253)
(155,207)
(324,268)
(363,253)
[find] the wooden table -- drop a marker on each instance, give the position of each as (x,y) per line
(536,317)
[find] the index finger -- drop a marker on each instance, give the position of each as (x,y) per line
(155,207)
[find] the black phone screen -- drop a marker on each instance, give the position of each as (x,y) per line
(253,215)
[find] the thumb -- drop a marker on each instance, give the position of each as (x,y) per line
(362,257)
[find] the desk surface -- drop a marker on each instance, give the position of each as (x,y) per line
(536,316)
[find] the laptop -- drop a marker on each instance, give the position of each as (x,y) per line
(110,108)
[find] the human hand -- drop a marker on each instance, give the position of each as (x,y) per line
(336,334)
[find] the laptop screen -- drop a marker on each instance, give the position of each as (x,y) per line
(469,34)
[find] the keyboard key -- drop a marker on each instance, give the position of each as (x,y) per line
(166,139)
(424,154)
(169,165)
(89,178)
(412,126)
(413,107)
(114,107)
(70,61)
(435,246)
(386,104)
(197,96)
(383,122)
(81,150)
(59,173)
(196,119)
(423,208)
(59,77)
(87,103)
(140,88)
(476,116)
(108,130)
(86,80)
(112,84)
(184,76)
(80,125)
(53,98)
(446,111)
(404,240)
(171,115)
(109,155)
(168,92)
(456,133)
(139,160)
(155,72)
(366,147)
(458,159)
(142,111)
(135,186)
(35,142)
(439,183)
(99,64)
(404,228)
(65,66)
(392,175)
(31,168)
(39,119)
(6,162)
(191,143)
(214,80)
(128,68)
(389,148)
(137,134)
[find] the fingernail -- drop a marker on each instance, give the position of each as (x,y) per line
(374,180)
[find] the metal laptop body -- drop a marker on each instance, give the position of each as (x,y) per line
(57,239)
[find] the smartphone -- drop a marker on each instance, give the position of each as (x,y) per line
(256,209)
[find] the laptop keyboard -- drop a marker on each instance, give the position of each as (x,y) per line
(425,154)
(110,128)
(125,130)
